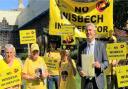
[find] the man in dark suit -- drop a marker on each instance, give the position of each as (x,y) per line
(96,48)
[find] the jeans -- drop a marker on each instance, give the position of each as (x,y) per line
(51,80)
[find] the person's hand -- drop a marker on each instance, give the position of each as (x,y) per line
(33,78)
(114,62)
(82,74)
(44,75)
(49,75)
(97,64)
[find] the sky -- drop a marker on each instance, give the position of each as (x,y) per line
(10,4)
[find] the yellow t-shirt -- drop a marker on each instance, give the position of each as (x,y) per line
(29,68)
(67,78)
(10,76)
(52,60)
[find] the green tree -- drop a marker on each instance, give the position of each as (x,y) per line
(120,13)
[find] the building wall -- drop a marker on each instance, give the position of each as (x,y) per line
(34,9)
(27,18)
(7,25)
(40,24)
(6,32)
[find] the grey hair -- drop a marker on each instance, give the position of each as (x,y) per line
(90,24)
(9,46)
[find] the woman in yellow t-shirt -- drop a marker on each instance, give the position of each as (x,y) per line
(35,70)
(10,69)
(67,71)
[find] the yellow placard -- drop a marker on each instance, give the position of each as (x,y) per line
(52,61)
(122,76)
(66,29)
(68,39)
(10,77)
(116,51)
(77,14)
(52,64)
(27,36)
(67,36)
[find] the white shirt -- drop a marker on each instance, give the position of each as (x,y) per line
(90,47)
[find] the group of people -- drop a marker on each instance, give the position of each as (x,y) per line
(35,71)
(40,74)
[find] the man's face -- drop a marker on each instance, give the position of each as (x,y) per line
(53,46)
(9,54)
(90,32)
(35,54)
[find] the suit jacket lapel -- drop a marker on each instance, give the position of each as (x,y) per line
(95,50)
(84,48)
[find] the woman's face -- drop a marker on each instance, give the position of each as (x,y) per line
(53,46)
(64,56)
(9,54)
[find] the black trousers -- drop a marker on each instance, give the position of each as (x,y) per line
(90,84)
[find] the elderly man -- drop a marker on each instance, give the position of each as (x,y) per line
(34,69)
(10,69)
(96,49)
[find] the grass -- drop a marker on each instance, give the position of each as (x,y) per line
(78,81)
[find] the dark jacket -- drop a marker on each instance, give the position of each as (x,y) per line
(100,56)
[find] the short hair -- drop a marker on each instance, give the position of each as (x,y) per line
(10,46)
(63,52)
(90,24)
